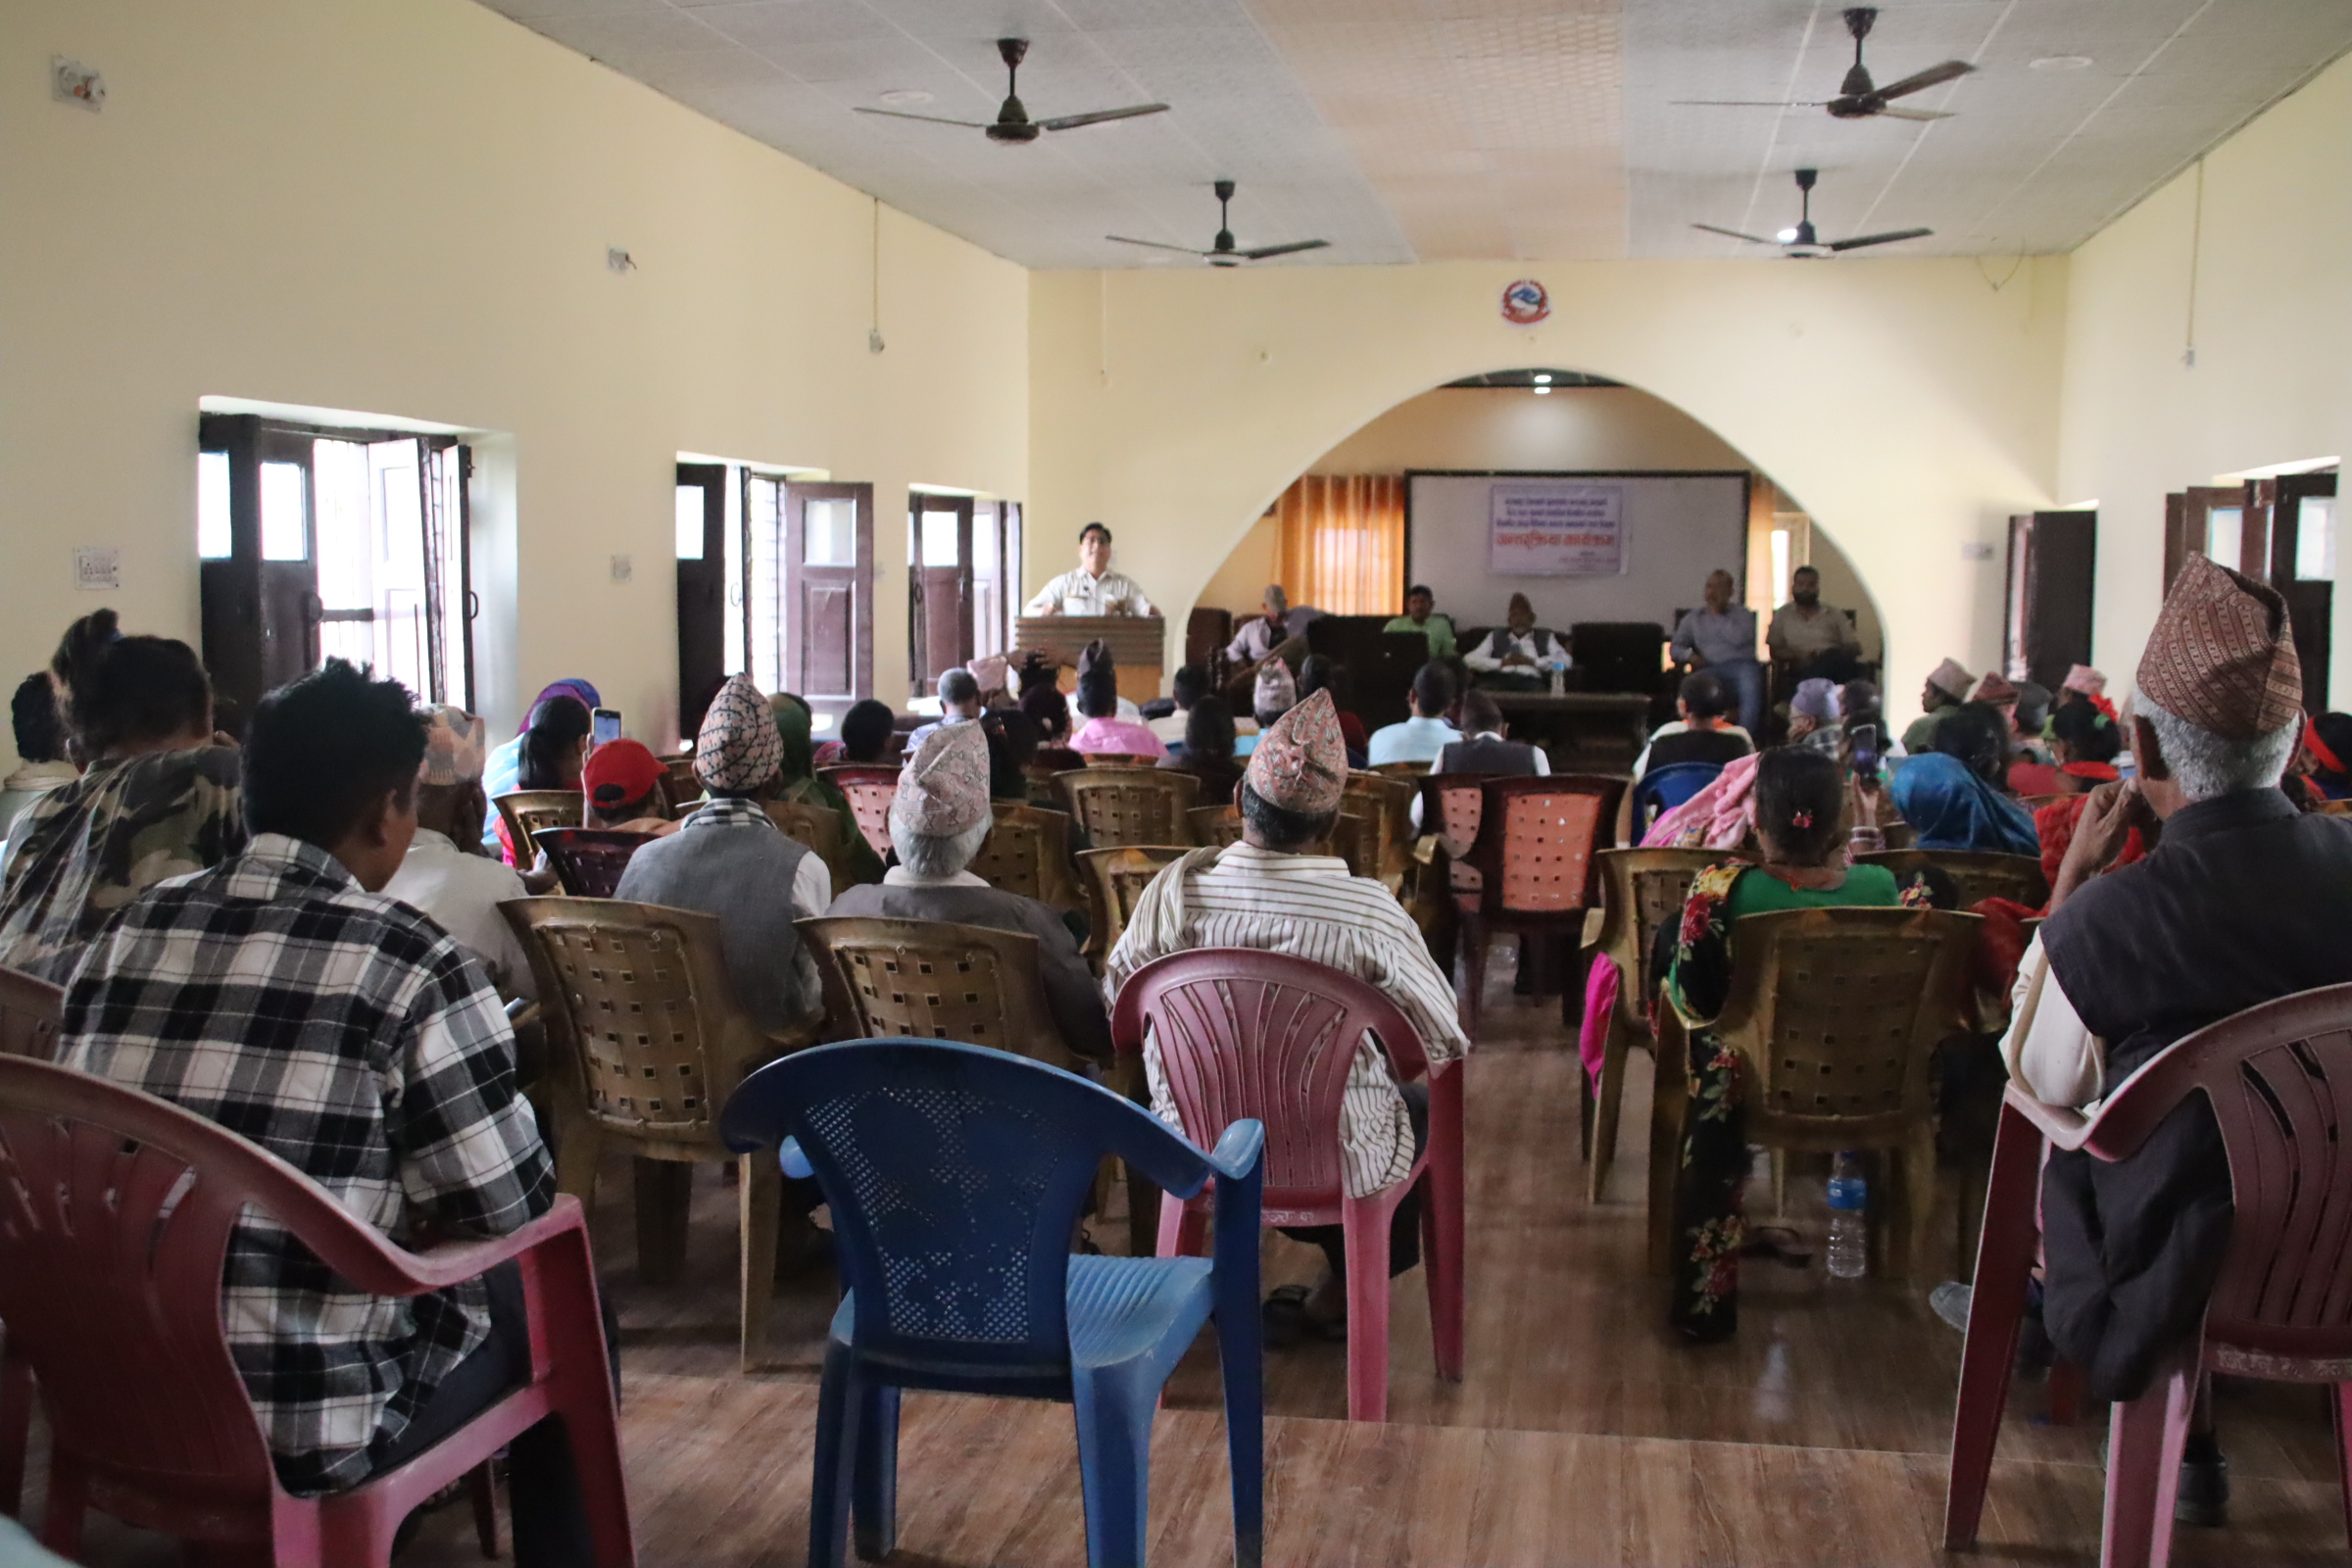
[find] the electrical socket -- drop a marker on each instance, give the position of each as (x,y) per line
(72,83)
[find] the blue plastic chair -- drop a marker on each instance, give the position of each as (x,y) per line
(957,1176)
(1662,789)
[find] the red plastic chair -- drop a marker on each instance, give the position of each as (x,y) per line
(869,791)
(1244,1034)
(590,861)
(2280,1079)
(116,1209)
(28,1013)
(1532,864)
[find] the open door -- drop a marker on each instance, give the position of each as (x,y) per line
(939,587)
(261,608)
(702,555)
(2215,521)
(829,591)
(2052,560)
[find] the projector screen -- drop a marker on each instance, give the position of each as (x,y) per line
(1581,546)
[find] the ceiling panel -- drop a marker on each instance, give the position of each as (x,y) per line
(1403,130)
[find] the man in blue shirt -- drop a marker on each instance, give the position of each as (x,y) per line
(1420,738)
(1721,637)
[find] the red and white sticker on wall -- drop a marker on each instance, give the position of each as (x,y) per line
(1525,303)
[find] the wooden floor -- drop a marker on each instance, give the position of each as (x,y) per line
(1583,1433)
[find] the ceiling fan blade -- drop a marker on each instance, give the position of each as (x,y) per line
(1264,250)
(1921,81)
(1072,121)
(933,120)
(1181,250)
(1892,112)
(1734,233)
(1887,239)
(1747,103)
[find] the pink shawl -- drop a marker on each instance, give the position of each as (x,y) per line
(1717,817)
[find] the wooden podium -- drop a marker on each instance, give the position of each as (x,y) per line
(1136,644)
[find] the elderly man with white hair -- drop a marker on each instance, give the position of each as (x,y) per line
(938,820)
(959,704)
(1278,633)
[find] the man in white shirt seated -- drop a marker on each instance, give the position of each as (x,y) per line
(442,874)
(1092,589)
(1809,640)
(1721,636)
(1189,686)
(1420,738)
(1268,892)
(1279,632)
(1518,656)
(1488,750)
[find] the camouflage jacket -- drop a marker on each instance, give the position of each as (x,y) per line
(88,849)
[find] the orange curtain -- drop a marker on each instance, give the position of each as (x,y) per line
(1341,543)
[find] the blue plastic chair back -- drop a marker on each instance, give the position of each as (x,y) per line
(1662,789)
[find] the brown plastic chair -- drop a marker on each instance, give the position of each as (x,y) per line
(1532,865)
(679,786)
(1412,772)
(1119,877)
(1978,874)
(1219,825)
(29,1009)
(1836,1016)
(869,790)
(116,1212)
(1116,807)
(1389,802)
(1118,759)
(1641,889)
(589,860)
(935,980)
(816,828)
(1028,853)
(527,811)
(639,1010)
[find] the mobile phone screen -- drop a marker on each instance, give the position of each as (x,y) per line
(606,725)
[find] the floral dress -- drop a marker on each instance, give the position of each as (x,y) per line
(1710,1222)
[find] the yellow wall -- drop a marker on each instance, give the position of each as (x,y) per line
(403,207)
(2273,380)
(1908,405)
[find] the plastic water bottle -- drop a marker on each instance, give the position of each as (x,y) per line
(1849,1224)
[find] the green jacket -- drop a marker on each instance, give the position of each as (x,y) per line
(1438,629)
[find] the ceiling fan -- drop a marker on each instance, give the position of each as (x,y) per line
(1802,244)
(1858,98)
(1224,253)
(1013,124)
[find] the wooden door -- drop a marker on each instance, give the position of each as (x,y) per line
(2302,510)
(702,559)
(829,587)
(2053,558)
(2190,522)
(230,585)
(939,586)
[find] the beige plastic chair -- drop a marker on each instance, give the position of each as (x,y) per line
(646,1041)
(1980,874)
(1119,877)
(1119,806)
(29,1011)
(1836,1016)
(1389,802)
(1028,853)
(527,811)
(818,828)
(680,787)
(1219,825)
(934,980)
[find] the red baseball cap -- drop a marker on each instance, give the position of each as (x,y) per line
(622,771)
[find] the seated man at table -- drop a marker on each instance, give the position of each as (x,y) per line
(1518,656)
(1269,892)
(938,820)
(1421,615)
(1809,640)
(2242,901)
(1721,636)
(1279,632)
(1420,738)
(281,994)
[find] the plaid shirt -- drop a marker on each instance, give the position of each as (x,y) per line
(351,1036)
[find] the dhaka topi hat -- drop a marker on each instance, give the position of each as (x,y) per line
(738,749)
(454,746)
(1952,679)
(1277,689)
(1301,762)
(1996,688)
(2223,655)
(943,790)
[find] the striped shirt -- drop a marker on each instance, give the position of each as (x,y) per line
(1308,906)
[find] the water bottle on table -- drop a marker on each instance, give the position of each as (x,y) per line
(1850,1223)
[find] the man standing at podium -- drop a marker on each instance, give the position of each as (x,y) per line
(1094,589)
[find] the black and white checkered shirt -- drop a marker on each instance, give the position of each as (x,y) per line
(351,1036)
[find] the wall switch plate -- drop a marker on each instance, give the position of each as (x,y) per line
(624,568)
(1975,550)
(618,260)
(72,83)
(97,569)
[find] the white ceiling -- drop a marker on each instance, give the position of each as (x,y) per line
(1428,129)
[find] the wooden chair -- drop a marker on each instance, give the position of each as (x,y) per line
(29,1011)
(527,811)
(589,860)
(1978,874)
(1531,863)
(935,980)
(1356,839)
(1404,770)
(1835,1014)
(648,1042)
(1028,853)
(868,790)
(1219,825)
(679,786)
(1118,759)
(2276,1077)
(1389,802)
(818,828)
(1116,807)
(1641,889)
(1119,877)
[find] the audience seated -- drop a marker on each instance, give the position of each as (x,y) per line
(1489,747)
(2084,745)
(554,755)
(444,873)
(622,786)
(866,731)
(2326,756)
(1814,716)
(1948,687)
(1420,738)
(1704,733)
(1275,694)
(938,819)
(2244,900)
(1421,615)
(1190,685)
(1952,797)
(730,859)
(2083,684)
(502,770)
(1267,893)
(1104,731)
(1012,744)
(959,704)
(797,781)
(159,799)
(1208,752)
(1721,636)
(41,764)
(1801,819)
(1518,656)
(1322,672)
(2030,768)
(1809,640)
(279,995)
(1279,632)
(1049,711)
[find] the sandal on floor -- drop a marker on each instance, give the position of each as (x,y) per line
(1777,1242)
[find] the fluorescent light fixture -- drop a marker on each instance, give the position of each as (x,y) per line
(1542,391)
(1543,378)
(2060,63)
(909,97)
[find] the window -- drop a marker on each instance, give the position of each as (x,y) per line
(690,522)
(212,505)
(2315,539)
(2224,536)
